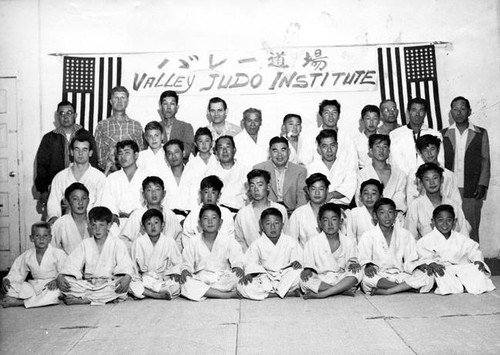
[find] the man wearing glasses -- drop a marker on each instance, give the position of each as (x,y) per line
(389,117)
(53,152)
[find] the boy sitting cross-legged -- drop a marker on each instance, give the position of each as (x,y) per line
(157,260)
(213,262)
(454,259)
(44,262)
(389,257)
(99,270)
(330,259)
(273,261)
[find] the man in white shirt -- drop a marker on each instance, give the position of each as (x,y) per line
(251,144)
(404,153)
(217,114)
(467,153)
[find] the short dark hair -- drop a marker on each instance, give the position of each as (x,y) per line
(370,108)
(291,115)
(326,133)
(330,206)
(81,135)
(225,137)
(152,212)
(174,141)
(215,100)
(314,178)
(169,93)
(203,131)
(75,186)
(427,140)
(250,110)
(441,208)
(212,181)
(378,138)
(325,103)
(155,180)
(41,224)
(100,214)
(210,207)
(422,169)
(278,139)
(153,125)
(259,173)
(271,211)
(66,103)
(461,98)
(375,182)
(118,89)
(127,143)
(383,102)
(383,201)
(417,100)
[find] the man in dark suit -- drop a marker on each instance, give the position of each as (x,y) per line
(288,180)
(172,127)
(467,154)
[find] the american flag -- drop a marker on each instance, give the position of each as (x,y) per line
(408,72)
(87,82)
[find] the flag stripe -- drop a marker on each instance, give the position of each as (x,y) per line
(438,103)
(390,74)
(91,113)
(429,113)
(101,86)
(110,84)
(402,111)
(82,110)
(381,73)
(119,71)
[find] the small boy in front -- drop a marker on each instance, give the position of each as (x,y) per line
(99,270)
(213,262)
(388,255)
(246,223)
(44,262)
(331,264)
(273,261)
(156,259)
(454,259)
(152,159)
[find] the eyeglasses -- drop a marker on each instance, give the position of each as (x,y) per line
(67,113)
(387,109)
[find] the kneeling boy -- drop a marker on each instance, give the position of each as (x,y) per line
(212,261)
(273,261)
(157,260)
(44,262)
(454,259)
(99,270)
(330,259)
(389,257)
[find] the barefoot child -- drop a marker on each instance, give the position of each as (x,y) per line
(99,270)
(156,259)
(454,259)
(301,225)
(153,191)
(389,257)
(246,224)
(330,259)
(213,262)
(360,219)
(273,261)
(44,262)
(69,230)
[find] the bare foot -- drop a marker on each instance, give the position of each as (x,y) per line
(8,301)
(70,300)
(294,293)
(309,295)
(350,292)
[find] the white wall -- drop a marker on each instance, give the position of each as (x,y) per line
(31,30)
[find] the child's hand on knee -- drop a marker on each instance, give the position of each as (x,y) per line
(52,285)
(4,288)
(184,275)
(480,266)
(370,270)
(306,274)
(354,267)
(437,269)
(62,283)
(122,284)
(425,268)
(296,265)
(238,271)
(245,280)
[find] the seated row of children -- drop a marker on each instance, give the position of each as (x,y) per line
(208,260)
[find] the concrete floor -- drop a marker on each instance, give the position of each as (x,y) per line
(399,324)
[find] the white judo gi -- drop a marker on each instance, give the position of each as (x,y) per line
(133,227)
(122,195)
(302,224)
(34,292)
(270,264)
(249,151)
(419,216)
(246,224)
(457,254)
(154,264)
(92,275)
(65,234)
(330,268)
(151,162)
(397,262)
(359,221)
(210,269)
(233,193)
(191,227)
(93,179)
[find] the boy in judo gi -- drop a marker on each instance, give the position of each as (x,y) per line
(273,261)
(157,260)
(44,262)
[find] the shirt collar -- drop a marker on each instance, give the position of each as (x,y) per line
(60,129)
(472,127)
